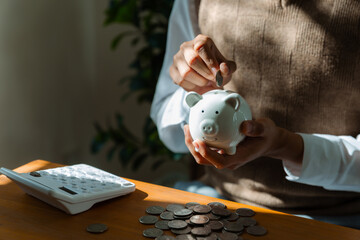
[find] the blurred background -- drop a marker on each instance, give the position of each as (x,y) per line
(75,86)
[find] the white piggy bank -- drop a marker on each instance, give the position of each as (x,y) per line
(215,118)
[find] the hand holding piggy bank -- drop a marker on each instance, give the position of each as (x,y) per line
(215,118)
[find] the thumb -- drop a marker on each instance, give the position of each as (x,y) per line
(252,128)
(231,65)
(226,69)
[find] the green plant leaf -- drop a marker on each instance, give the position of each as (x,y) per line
(157,164)
(148,19)
(111,152)
(138,161)
(120,37)
(125,155)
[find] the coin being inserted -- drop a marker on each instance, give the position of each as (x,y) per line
(96,228)
(219,79)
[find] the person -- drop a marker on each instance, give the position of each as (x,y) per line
(297,64)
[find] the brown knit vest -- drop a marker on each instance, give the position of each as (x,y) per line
(299,65)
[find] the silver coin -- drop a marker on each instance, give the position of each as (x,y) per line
(191,205)
(199,219)
(215,225)
(233,227)
(219,79)
(211,216)
(174,207)
(232,217)
(165,237)
(216,204)
(181,231)
(245,212)
(256,230)
(228,236)
(183,212)
(96,228)
(163,225)
(219,211)
(201,231)
(202,209)
(167,215)
(177,224)
(152,232)
(148,219)
(155,210)
(210,237)
(185,237)
(246,221)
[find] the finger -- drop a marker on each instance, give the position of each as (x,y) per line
(189,143)
(206,49)
(227,68)
(196,63)
(252,128)
(187,78)
(216,159)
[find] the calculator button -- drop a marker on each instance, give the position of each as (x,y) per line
(35,174)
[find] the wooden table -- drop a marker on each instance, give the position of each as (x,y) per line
(25,217)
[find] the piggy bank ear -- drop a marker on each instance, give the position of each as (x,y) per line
(192,98)
(233,100)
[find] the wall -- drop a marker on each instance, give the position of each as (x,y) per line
(57,77)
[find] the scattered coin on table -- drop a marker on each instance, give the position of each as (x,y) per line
(232,217)
(202,209)
(183,212)
(194,221)
(201,231)
(177,224)
(216,225)
(96,228)
(216,204)
(191,205)
(228,236)
(219,211)
(245,212)
(199,219)
(185,237)
(167,215)
(174,207)
(246,221)
(148,219)
(165,237)
(152,232)
(163,225)
(185,230)
(155,210)
(256,230)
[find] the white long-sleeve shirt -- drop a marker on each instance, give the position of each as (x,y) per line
(332,162)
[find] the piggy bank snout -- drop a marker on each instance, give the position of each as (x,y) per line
(209,127)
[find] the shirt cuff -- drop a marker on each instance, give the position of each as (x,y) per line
(321,161)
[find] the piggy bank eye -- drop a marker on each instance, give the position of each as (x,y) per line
(217,112)
(202,111)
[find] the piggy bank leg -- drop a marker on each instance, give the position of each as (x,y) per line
(230,150)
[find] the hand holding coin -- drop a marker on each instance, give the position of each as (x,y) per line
(199,66)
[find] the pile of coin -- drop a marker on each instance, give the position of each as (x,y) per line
(195,221)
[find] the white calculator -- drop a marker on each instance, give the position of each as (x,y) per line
(73,189)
